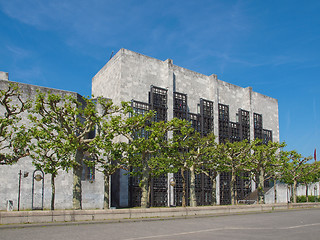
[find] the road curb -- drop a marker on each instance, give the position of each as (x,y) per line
(65,217)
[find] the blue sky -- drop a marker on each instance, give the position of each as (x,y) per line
(273,46)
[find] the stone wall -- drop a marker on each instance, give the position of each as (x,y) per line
(9,175)
(284,193)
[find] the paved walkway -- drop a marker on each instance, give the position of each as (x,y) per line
(293,225)
(116,215)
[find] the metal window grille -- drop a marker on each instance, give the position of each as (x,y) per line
(158,102)
(244,121)
(243,185)
(180,106)
(257,118)
(135,191)
(203,188)
(195,120)
(159,191)
(223,122)
(225,195)
(206,111)
(179,188)
(234,132)
(267,136)
(140,107)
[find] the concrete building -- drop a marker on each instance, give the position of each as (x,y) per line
(233,113)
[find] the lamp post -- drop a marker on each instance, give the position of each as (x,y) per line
(38,175)
(172,183)
(25,174)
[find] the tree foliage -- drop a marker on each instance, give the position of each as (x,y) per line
(296,168)
(234,158)
(190,152)
(264,164)
(65,129)
(13,134)
(146,149)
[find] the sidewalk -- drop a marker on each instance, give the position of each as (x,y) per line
(116,215)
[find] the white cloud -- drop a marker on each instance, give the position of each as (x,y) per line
(81,22)
(18,53)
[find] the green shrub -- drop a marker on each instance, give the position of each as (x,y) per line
(301,199)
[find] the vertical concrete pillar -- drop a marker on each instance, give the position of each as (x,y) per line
(171,86)
(218,189)
(214,96)
(251,111)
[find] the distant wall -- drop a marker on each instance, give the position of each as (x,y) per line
(9,178)
(284,193)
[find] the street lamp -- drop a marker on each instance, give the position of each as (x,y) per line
(172,182)
(25,174)
(38,175)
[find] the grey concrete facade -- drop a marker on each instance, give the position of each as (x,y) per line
(129,75)
(9,174)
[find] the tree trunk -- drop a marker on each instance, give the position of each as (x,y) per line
(275,190)
(193,197)
(77,172)
(214,188)
(53,190)
(144,184)
(106,191)
(261,186)
(149,192)
(235,192)
(294,191)
(184,189)
(232,182)
(307,192)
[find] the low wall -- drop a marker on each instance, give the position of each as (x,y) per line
(16,217)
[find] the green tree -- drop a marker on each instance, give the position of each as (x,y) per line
(234,158)
(179,146)
(264,164)
(110,148)
(13,134)
(147,144)
(310,175)
(202,155)
(190,152)
(67,122)
(296,168)
(49,154)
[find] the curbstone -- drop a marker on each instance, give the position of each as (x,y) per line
(139,213)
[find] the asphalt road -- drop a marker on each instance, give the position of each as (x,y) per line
(294,224)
